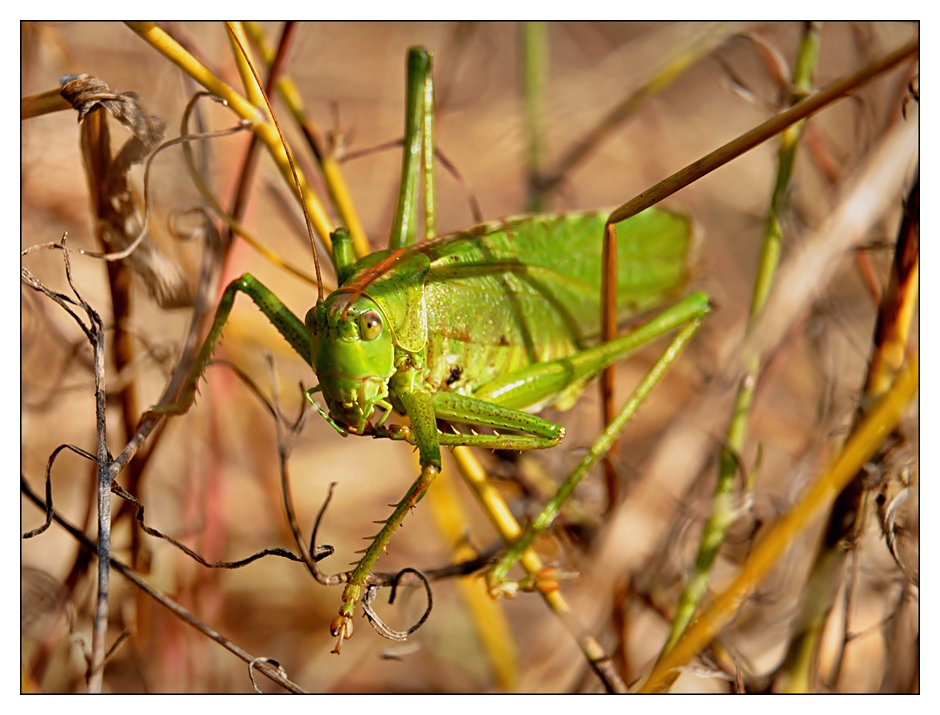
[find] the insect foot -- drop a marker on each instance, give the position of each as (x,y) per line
(341,628)
(501,589)
(546,580)
(397,432)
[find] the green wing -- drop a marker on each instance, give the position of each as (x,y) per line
(504,295)
(548,268)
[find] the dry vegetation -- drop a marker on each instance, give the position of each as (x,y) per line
(212,479)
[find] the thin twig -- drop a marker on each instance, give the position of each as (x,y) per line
(762,133)
(250,160)
(711,38)
(378,624)
(94,331)
(329,164)
(322,553)
(52,457)
(103,458)
(177,610)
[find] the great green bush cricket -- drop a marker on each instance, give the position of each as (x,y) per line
(349,442)
(470,328)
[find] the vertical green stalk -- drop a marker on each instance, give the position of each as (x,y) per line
(722,511)
(534,82)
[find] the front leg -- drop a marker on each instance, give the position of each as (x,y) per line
(424,409)
(291,328)
(419,407)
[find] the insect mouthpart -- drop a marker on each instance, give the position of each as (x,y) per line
(352,404)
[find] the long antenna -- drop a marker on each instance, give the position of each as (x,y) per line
(290,159)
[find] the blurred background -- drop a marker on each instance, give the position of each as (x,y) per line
(212,479)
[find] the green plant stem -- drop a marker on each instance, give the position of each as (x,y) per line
(509,530)
(722,507)
(534,36)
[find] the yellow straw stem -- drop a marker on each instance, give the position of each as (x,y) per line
(332,174)
(264,129)
(490,621)
(868,436)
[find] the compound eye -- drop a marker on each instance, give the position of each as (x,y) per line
(370,325)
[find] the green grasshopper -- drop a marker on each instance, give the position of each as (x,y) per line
(475,328)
